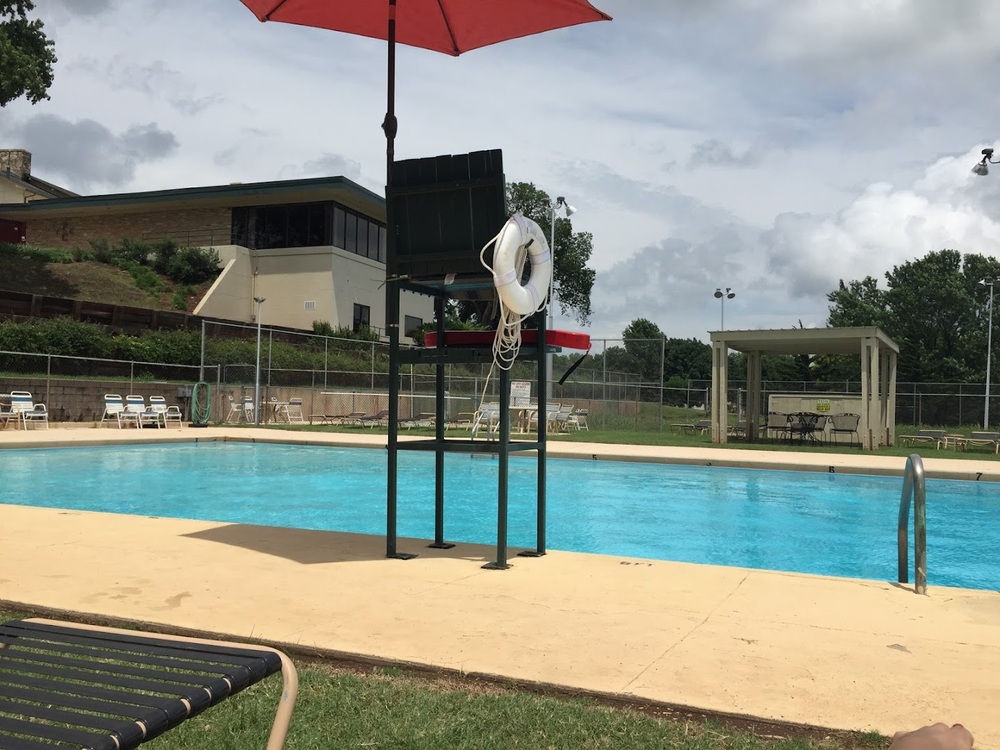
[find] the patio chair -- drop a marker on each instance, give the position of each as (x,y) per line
(293,411)
(158,407)
(578,420)
(72,685)
(463,420)
(378,419)
(113,408)
(26,410)
(165,414)
(777,422)
(6,414)
(560,419)
(981,439)
(489,415)
(236,412)
(803,424)
(702,426)
(844,424)
(173,414)
(551,414)
(924,436)
(137,413)
(738,430)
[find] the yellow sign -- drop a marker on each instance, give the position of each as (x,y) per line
(823,405)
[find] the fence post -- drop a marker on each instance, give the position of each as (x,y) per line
(663,359)
(48,382)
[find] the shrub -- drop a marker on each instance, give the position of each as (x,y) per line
(135,251)
(102,251)
(164,253)
(193,265)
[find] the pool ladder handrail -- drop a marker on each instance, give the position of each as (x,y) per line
(914,487)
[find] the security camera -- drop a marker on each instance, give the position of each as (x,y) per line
(988,153)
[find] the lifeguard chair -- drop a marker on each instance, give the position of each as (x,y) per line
(442,212)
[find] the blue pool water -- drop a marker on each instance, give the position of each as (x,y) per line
(832,524)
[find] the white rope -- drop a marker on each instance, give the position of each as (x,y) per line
(507,343)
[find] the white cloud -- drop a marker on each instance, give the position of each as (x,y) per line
(769,146)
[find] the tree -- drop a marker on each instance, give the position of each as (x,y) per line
(26,54)
(689,359)
(573,280)
(644,343)
(935,308)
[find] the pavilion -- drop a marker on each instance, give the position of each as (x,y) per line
(878,355)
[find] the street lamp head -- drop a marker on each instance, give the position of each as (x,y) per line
(728,294)
(567,208)
(718,293)
(259,300)
(981,168)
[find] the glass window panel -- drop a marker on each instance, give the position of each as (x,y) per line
(373,240)
(351,233)
(339,236)
(362,237)
(298,225)
(362,317)
(382,239)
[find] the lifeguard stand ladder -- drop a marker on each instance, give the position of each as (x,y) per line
(441,211)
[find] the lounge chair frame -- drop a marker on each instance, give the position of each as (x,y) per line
(112,689)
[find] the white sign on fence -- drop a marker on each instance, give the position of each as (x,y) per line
(520,393)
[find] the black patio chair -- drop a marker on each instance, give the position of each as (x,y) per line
(803,425)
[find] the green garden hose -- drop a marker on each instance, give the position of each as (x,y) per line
(201,404)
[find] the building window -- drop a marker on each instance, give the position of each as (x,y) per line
(308,225)
(362,317)
(410,324)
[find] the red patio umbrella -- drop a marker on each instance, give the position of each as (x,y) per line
(448,26)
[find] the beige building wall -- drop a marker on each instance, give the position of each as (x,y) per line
(202,226)
(302,285)
(230,297)
(11,192)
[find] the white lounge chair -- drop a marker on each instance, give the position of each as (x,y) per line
(578,420)
(136,413)
(113,408)
(173,414)
(293,411)
(158,407)
(26,410)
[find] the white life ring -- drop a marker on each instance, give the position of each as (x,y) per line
(517,234)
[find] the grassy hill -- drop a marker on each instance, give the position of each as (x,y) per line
(31,271)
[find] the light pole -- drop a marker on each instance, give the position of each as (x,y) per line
(256,388)
(989,354)
(722,297)
(569,211)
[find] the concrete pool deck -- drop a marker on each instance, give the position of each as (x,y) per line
(831,652)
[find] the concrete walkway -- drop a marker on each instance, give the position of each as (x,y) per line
(832,652)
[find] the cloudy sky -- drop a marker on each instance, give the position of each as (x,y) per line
(769,146)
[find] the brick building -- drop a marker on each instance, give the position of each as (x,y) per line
(313,248)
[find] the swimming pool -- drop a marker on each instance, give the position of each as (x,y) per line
(831,524)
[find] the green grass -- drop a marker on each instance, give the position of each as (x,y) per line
(339,707)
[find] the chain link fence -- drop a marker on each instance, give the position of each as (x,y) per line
(336,377)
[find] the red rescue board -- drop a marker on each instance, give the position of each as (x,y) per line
(564,339)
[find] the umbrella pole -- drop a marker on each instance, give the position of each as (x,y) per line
(389,123)
(392,314)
